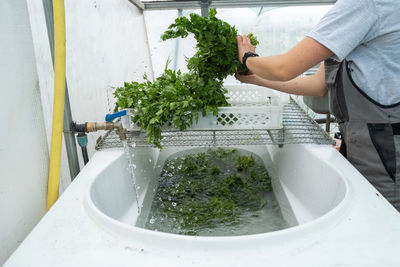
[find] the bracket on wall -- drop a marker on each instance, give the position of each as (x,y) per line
(137,3)
(205,7)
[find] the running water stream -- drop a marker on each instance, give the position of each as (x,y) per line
(131,168)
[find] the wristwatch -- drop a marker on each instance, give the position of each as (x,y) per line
(246,55)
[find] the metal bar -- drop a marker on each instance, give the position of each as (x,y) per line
(176,53)
(328,123)
(137,3)
(272,137)
(298,128)
(205,7)
(188,4)
(69,136)
(85,155)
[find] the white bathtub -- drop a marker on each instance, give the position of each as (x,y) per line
(336,218)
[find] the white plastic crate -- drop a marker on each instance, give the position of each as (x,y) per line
(253,107)
(255,95)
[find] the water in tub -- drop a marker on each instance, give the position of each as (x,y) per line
(217,192)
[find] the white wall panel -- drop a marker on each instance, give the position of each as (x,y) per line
(23,147)
(106,46)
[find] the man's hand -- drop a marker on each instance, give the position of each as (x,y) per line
(244,45)
(249,78)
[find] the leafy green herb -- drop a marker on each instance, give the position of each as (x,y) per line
(217,54)
(244,163)
(192,199)
(176,99)
(173,99)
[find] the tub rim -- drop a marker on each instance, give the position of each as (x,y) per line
(143,236)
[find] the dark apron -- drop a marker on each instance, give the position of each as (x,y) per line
(371,131)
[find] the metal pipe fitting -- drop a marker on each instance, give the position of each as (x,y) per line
(96,126)
(121,133)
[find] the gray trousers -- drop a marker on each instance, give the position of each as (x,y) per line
(371,131)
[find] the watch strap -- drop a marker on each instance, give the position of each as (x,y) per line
(247,55)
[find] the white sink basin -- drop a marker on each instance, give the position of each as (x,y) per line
(336,218)
(308,188)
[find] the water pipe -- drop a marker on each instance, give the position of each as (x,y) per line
(96,126)
(58,104)
(87,127)
(69,135)
(82,142)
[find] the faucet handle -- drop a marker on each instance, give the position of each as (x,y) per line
(111,117)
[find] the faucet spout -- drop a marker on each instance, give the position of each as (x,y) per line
(96,126)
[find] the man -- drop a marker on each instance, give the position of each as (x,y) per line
(358,45)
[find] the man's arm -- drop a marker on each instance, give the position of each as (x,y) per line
(287,66)
(313,85)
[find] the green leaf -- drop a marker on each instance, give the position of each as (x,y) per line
(177,98)
(153,121)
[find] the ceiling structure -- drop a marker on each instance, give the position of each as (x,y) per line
(193,4)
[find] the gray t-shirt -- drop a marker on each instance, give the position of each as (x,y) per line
(367,33)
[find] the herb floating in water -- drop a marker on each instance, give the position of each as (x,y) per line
(175,98)
(204,190)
